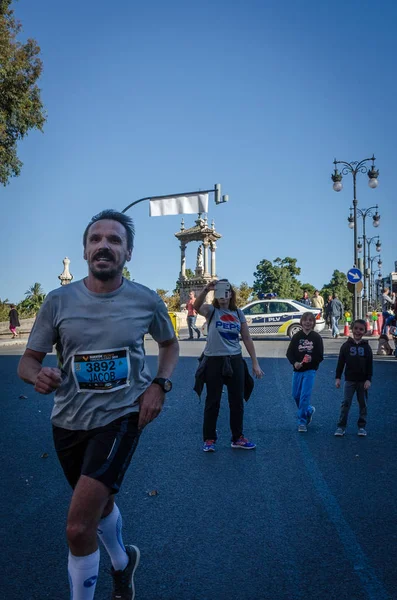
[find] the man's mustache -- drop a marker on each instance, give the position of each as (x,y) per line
(103,254)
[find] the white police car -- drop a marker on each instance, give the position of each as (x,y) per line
(278,316)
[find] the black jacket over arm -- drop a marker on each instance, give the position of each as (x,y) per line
(14,320)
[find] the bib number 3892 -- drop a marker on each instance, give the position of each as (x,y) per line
(104,371)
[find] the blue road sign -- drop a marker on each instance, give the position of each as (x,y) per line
(354,275)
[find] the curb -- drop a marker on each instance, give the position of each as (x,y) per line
(10,343)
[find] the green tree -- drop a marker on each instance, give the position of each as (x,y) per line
(309,288)
(243,293)
(126,274)
(174,302)
(162,293)
(279,277)
(21,108)
(338,285)
(24,309)
(4,309)
(34,299)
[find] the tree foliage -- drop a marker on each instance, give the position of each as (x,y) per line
(338,285)
(21,108)
(162,293)
(4,309)
(279,276)
(126,274)
(174,302)
(309,288)
(243,293)
(34,299)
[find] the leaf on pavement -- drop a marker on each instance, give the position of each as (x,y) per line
(22,397)
(153,493)
(44,455)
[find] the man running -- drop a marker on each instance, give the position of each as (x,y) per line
(104,393)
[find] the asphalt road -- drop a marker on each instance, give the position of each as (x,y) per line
(304,516)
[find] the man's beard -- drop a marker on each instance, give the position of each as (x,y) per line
(106,275)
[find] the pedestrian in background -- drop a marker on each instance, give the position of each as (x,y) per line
(222,364)
(336,310)
(305,352)
(355,358)
(192,316)
(391,324)
(388,301)
(14,320)
(327,313)
(305,299)
(318,301)
(384,348)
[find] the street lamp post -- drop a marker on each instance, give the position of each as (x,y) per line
(372,275)
(378,285)
(354,168)
(364,213)
(367,242)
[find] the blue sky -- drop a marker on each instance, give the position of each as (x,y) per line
(165,97)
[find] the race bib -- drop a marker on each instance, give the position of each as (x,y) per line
(102,371)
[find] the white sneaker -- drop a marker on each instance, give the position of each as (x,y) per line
(361,432)
(340,432)
(302,428)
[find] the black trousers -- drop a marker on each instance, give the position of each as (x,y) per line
(235,388)
(350,388)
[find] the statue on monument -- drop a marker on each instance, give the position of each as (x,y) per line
(200,261)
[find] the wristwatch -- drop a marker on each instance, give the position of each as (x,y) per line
(165,384)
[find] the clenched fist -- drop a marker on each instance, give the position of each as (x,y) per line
(48,380)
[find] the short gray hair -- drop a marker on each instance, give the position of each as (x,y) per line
(113,215)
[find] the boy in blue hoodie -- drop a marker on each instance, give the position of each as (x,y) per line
(355,358)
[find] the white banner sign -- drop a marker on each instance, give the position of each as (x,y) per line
(178,205)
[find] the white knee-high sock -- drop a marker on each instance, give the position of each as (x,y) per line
(83,575)
(109,532)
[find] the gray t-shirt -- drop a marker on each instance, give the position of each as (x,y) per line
(100,344)
(223,332)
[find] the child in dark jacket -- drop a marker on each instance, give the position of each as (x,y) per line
(355,357)
(305,352)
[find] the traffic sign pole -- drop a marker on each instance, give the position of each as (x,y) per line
(354,276)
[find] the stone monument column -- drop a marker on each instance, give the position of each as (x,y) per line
(65,277)
(183,260)
(213,264)
(206,244)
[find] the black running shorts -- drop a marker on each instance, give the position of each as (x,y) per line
(103,453)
